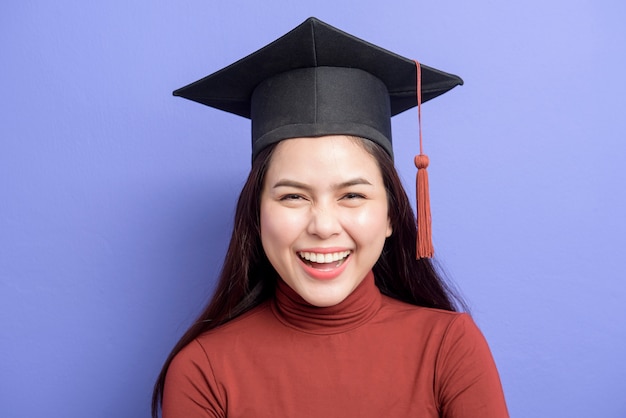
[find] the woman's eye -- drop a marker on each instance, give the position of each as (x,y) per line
(351,196)
(291,197)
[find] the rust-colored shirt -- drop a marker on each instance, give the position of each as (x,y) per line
(369,356)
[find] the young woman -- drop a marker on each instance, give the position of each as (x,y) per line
(322,309)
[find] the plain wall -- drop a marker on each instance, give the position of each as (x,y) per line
(116,199)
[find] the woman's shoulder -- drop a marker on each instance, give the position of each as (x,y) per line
(422,317)
(396,306)
(248,321)
(226,337)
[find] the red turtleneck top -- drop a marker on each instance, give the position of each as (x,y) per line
(369,356)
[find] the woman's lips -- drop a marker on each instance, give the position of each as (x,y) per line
(324,265)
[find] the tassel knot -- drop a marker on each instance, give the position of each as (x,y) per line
(421,161)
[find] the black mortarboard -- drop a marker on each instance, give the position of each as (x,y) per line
(317,80)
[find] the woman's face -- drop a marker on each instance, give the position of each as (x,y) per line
(324,216)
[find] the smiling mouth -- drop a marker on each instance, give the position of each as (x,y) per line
(321,261)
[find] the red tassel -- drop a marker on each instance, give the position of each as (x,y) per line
(424,246)
(424,221)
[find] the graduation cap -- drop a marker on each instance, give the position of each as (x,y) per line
(318,80)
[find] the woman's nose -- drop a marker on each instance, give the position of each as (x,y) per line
(324,222)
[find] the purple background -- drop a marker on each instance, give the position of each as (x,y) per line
(116,199)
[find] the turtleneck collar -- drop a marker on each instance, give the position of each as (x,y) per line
(358,308)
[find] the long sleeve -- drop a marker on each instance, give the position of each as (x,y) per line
(191,390)
(467,381)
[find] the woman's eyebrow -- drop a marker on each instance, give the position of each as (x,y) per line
(290,183)
(353,182)
(298,185)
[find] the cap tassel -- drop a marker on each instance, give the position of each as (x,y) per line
(424,245)
(424,232)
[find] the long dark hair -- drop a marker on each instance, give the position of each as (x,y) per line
(247,277)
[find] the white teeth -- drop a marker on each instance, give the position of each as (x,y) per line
(323,258)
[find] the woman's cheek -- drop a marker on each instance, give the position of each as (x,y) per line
(282,221)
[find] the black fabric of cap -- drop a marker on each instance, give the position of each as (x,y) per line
(317,80)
